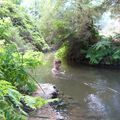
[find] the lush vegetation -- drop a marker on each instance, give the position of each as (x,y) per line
(13,65)
(66,25)
(84,44)
(21,44)
(104,52)
(17,26)
(15,80)
(14,105)
(18,38)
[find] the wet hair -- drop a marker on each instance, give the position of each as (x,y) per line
(57,62)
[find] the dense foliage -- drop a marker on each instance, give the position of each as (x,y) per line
(15,79)
(62,52)
(67,25)
(13,64)
(17,26)
(104,52)
(19,38)
(14,105)
(84,42)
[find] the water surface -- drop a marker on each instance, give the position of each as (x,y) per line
(96,91)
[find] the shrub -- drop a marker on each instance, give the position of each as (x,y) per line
(13,65)
(62,52)
(104,52)
(33,58)
(99,50)
(9,102)
(17,26)
(14,105)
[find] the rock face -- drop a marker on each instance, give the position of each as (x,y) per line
(46,91)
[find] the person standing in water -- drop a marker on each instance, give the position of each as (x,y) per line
(56,70)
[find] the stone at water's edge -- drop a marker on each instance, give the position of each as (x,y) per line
(46,91)
(47,110)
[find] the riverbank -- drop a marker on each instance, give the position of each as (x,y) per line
(47,112)
(86,63)
(44,113)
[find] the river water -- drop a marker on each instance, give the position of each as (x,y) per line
(96,91)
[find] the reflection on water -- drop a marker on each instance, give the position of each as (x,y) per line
(96,107)
(95,104)
(97,91)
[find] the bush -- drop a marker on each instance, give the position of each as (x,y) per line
(98,51)
(13,105)
(17,26)
(8,103)
(104,52)
(14,79)
(13,65)
(62,52)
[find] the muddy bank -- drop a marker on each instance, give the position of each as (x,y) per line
(44,113)
(47,112)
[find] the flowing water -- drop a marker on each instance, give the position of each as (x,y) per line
(96,91)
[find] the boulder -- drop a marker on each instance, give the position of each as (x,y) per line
(46,91)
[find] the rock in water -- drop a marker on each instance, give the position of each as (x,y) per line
(46,91)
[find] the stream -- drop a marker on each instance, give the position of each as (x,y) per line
(95,92)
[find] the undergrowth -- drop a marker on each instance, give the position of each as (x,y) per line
(14,105)
(16,84)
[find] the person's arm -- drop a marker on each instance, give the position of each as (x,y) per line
(62,72)
(55,72)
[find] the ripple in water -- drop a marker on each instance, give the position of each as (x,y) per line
(96,108)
